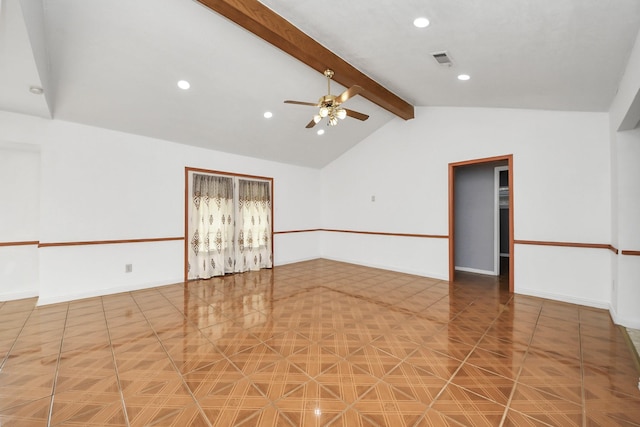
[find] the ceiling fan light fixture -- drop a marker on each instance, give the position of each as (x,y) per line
(329,105)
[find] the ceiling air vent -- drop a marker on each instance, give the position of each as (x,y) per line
(442,58)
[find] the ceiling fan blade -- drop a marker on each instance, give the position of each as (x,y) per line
(311,124)
(311,104)
(351,92)
(356,115)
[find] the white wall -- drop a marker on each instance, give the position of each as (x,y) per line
(19,209)
(574,275)
(412,255)
(561,172)
(100,185)
(625,156)
(297,207)
(97,184)
(626,294)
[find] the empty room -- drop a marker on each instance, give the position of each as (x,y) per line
(271,213)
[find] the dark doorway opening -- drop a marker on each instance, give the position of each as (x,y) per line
(507,264)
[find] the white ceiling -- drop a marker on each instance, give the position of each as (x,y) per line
(115,64)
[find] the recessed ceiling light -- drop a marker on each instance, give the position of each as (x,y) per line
(268,114)
(183,84)
(321,132)
(464,77)
(36,90)
(421,22)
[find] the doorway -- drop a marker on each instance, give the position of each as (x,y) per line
(507,162)
(501,220)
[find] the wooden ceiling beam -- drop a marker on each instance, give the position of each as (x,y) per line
(271,27)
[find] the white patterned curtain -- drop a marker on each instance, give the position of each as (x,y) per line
(253,226)
(211,228)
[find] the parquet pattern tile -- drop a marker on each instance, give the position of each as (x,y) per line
(484,383)
(388,406)
(278,380)
(468,408)
(317,343)
(310,405)
(346,381)
(546,407)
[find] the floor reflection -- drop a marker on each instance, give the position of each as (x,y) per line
(316,343)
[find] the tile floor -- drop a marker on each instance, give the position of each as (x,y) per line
(312,344)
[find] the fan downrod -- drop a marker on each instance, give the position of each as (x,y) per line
(328,74)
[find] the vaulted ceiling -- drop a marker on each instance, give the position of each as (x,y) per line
(115,64)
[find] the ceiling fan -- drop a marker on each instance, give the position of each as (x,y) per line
(330,105)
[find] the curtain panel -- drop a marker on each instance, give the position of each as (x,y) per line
(253,226)
(229,226)
(211,227)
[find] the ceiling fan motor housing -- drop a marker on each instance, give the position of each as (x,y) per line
(327,101)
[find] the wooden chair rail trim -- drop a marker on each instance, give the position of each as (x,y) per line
(310,230)
(377,233)
(108,242)
(24,243)
(380,233)
(567,244)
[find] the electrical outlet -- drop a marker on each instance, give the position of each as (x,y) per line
(128,268)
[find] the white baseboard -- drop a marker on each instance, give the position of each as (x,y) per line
(477,271)
(430,275)
(54,299)
(12,296)
(627,323)
(293,261)
(564,298)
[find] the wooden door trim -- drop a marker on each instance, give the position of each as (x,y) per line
(452,166)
